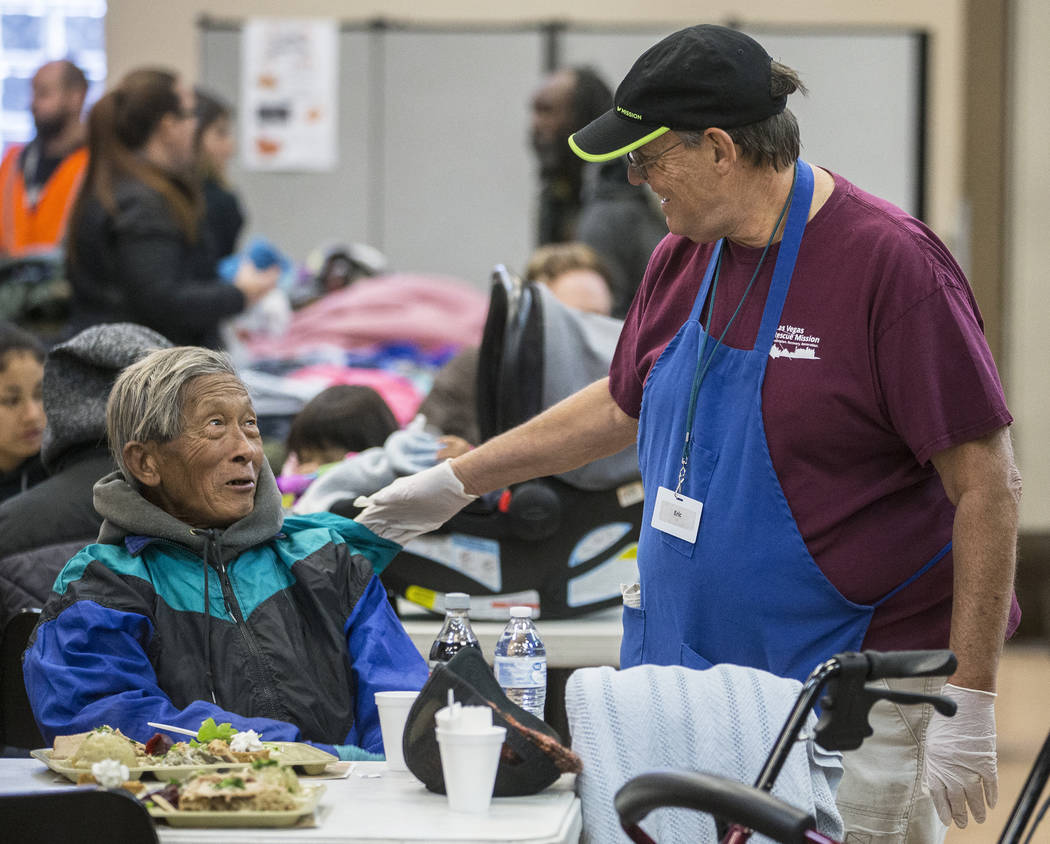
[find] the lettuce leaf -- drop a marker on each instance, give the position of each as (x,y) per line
(210,730)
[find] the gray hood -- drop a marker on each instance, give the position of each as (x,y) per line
(127,513)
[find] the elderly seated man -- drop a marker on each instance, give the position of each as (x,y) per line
(198,600)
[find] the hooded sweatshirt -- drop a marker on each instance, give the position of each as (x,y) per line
(278,627)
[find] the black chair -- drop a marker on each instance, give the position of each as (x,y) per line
(77,816)
(17,725)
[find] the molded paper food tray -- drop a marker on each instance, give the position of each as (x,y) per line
(312,760)
(309,797)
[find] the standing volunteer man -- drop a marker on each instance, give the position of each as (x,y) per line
(821,429)
(39,180)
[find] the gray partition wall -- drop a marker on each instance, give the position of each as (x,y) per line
(434,165)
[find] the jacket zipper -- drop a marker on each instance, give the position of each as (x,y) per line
(234,609)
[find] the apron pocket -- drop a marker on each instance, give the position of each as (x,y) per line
(633,637)
(691,659)
(697,480)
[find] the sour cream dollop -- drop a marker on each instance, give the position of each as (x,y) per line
(109,773)
(246,741)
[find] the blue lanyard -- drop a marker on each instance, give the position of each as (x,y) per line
(702,364)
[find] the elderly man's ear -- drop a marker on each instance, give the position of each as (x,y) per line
(141,460)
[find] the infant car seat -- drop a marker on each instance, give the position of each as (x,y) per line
(560,544)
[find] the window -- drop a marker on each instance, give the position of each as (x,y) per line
(33,32)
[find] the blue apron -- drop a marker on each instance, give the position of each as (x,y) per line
(747,591)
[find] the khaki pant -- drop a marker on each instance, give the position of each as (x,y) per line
(881,796)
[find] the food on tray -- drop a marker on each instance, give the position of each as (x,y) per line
(222,748)
(110,773)
(246,742)
(105,743)
(209,731)
(265,787)
(84,749)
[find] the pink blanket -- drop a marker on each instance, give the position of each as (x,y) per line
(399,393)
(428,310)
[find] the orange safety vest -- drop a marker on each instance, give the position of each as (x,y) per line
(25,228)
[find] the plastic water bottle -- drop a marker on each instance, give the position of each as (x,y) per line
(456,632)
(521,662)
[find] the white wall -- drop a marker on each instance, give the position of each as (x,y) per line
(1028,290)
(139,32)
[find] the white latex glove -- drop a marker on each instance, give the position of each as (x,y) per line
(960,757)
(414,504)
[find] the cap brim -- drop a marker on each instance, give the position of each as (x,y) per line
(611,136)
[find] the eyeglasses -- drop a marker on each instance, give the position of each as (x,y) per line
(641,165)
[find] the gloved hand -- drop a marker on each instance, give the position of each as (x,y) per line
(353,753)
(414,504)
(960,757)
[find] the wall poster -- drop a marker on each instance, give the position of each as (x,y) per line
(289,94)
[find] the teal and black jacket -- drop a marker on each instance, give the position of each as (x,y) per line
(279,627)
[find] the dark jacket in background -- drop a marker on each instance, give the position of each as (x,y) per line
(223,218)
(47,524)
(26,474)
(619,221)
(137,266)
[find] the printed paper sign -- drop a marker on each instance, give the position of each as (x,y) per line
(289,94)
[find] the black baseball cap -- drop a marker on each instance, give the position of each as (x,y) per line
(694,79)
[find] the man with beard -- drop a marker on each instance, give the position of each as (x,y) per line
(590,203)
(39,180)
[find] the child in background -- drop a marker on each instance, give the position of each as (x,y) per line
(21,410)
(338,422)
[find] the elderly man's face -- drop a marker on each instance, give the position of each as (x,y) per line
(207,475)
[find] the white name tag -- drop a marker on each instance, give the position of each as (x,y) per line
(677,515)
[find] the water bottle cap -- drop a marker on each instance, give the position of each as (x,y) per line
(521,612)
(457,601)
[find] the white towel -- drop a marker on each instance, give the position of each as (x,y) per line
(721,721)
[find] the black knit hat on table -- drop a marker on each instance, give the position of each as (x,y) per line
(532,757)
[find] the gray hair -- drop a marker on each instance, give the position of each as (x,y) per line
(773,142)
(147,399)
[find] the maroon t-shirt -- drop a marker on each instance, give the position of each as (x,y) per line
(879,362)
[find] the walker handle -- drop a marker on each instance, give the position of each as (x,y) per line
(910,664)
(730,801)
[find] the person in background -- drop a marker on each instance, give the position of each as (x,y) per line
(21,410)
(200,599)
(41,528)
(132,254)
(590,203)
(214,140)
(822,433)
(575,274)
(337,423)
(341,419)
(39,180)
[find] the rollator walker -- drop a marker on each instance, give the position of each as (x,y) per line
(741,810)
